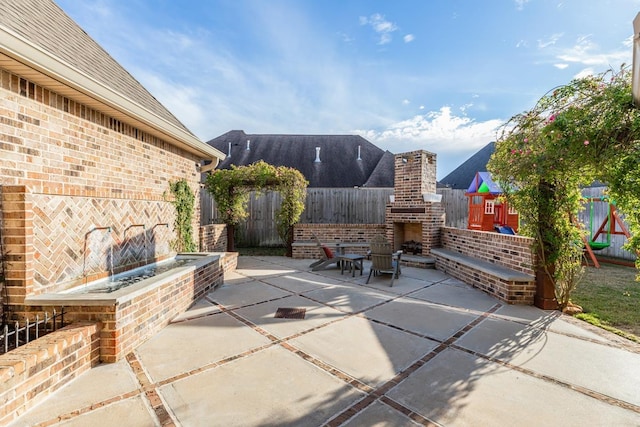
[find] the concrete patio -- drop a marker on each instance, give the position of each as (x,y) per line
(428,351)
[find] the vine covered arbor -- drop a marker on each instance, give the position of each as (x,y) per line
(585,131)
(230,189)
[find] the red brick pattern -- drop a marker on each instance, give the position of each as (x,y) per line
(32,372)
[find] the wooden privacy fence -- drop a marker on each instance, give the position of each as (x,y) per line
(367,206)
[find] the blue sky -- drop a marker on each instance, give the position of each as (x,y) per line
(438,75)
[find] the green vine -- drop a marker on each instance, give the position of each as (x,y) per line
(576,134)
(230,189)
(183,201)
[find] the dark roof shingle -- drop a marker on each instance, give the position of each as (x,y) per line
(339,164)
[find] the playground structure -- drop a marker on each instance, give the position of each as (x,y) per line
(612,224)
(488,211)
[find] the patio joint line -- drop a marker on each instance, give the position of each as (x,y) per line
(165,417)
(402,375)
(580,389)
(77,412)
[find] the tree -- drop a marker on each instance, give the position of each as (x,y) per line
(230,189)
(584,131)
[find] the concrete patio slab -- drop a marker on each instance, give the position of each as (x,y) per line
(380,415)
(456,295)
(401,286)
(134,411)
(565,358)
(200,308)
(348,297)
(102,383)
(422,317)
(301,282)
(431,352)
(263,316)
(233,296)
(457,388)
(273,387)
(368,351)
(185,346)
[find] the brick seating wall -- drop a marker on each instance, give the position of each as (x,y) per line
(513,252)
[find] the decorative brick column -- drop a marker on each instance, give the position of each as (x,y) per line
(17,223)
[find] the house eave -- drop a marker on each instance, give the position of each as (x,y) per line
(27,60)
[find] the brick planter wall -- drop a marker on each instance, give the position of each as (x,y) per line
(30,373)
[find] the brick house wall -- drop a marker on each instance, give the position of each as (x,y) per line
(66,169)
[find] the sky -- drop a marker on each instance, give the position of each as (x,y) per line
(436,75)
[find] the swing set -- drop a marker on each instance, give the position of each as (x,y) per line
(611,225)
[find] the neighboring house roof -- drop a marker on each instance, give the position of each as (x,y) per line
(339,164)
(461,176)
(39,42)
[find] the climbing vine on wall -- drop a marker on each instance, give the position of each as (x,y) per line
(230,189)
(584,131)
(183,201)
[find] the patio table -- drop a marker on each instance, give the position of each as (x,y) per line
(354,261)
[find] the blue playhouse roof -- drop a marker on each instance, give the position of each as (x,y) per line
(482,183)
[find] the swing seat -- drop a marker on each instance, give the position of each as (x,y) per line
(597,246)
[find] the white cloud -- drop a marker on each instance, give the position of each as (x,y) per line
(436,131)
(586,52)
(585,73)
(405,102)
(553,39)
(520,4)
(409,38)
(561,66)
(381,26)
(452,138)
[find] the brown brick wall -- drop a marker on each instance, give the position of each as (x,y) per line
(510,251)
(213,238)
(66,169)
(32,372)
(333,233)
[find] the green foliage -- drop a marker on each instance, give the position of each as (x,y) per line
(183,201)
(230,188)
(587,130)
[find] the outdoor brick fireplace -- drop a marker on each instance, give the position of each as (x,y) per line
(414,217)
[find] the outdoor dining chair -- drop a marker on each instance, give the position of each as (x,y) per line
(383,259)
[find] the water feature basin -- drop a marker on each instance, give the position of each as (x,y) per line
(129,314)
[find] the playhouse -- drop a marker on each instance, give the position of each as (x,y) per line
(487,210)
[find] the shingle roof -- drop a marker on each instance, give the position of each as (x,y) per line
(461,176)
(339,165)
(44,24)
